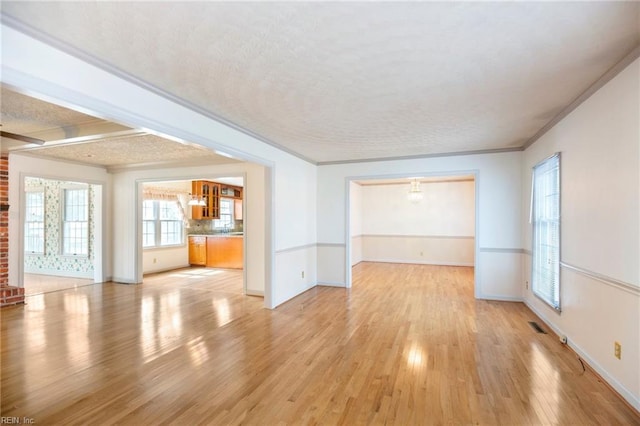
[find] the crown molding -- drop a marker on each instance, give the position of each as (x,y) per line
(597,85)
(91,59)
(421,156)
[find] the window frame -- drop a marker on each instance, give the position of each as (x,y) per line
(218,223)
(27,207)
(64,221)
(157,222)
(550,223)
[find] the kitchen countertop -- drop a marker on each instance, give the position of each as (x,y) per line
(231,235)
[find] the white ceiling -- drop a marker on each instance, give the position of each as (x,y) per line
(352,81)
(73,136)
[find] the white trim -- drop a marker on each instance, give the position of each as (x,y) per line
(616,385)
(597,85)
(440,237)
(418,262)
(501,250)
(629,288)
(500,298)
(296,248)
(99,63)
(329,284)
(420,156)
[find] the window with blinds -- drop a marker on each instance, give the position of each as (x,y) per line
(545,217)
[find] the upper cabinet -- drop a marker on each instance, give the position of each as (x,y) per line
(211,192)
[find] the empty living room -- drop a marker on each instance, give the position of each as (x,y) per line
(433,211)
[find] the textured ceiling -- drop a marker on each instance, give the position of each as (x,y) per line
(347,81)
(27,116)
(143,150)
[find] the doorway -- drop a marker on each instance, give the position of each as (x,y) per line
(194,229)
(62,232)
(427,220)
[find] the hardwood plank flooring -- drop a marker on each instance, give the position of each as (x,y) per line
(408,344)
(38,284)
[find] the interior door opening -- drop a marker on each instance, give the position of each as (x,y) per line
(428,220)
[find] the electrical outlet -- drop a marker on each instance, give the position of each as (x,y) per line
(421,253)
(302,274)
(617,350)
(526,284)
(155,260)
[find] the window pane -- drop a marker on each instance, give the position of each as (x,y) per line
(34,222)
(148,210)
(546,231)
(170,233)
(226,214)
(162,225)
(75,229)
(148,233)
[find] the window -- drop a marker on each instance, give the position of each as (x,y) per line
(226,214)
(161,224)
(75,222)
(34,222)
(545,216)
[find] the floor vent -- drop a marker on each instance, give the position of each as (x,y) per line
(536,327)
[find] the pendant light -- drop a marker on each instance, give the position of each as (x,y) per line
(415,193)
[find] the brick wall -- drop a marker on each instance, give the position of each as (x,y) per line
(9,295)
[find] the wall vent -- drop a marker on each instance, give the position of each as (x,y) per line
(536,327)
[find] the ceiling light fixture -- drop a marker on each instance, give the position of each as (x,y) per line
(415,193)
(196,200)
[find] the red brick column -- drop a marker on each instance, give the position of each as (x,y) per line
(9,295)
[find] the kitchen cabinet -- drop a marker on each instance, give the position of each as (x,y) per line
(225,252)
(198,250)
(229,191)
(210,193)
(237,209)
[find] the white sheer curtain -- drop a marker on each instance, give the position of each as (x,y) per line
(166,194)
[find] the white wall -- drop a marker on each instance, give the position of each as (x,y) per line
(439,229)
(498,231)
(355,220)
(33,66)
(600,229)
(21,166)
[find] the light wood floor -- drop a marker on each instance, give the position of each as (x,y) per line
(38,284)
(408,344)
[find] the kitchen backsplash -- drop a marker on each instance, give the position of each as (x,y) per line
(206,227)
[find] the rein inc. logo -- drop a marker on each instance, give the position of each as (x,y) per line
(16,420)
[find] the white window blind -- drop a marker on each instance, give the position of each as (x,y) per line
(545,217)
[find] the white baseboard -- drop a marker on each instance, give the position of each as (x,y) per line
(420,262)
(633,400)
(57,273)
(500,298)
(330,284)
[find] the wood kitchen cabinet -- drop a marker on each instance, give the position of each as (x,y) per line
(225,252)
(210,193)
(198,250)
